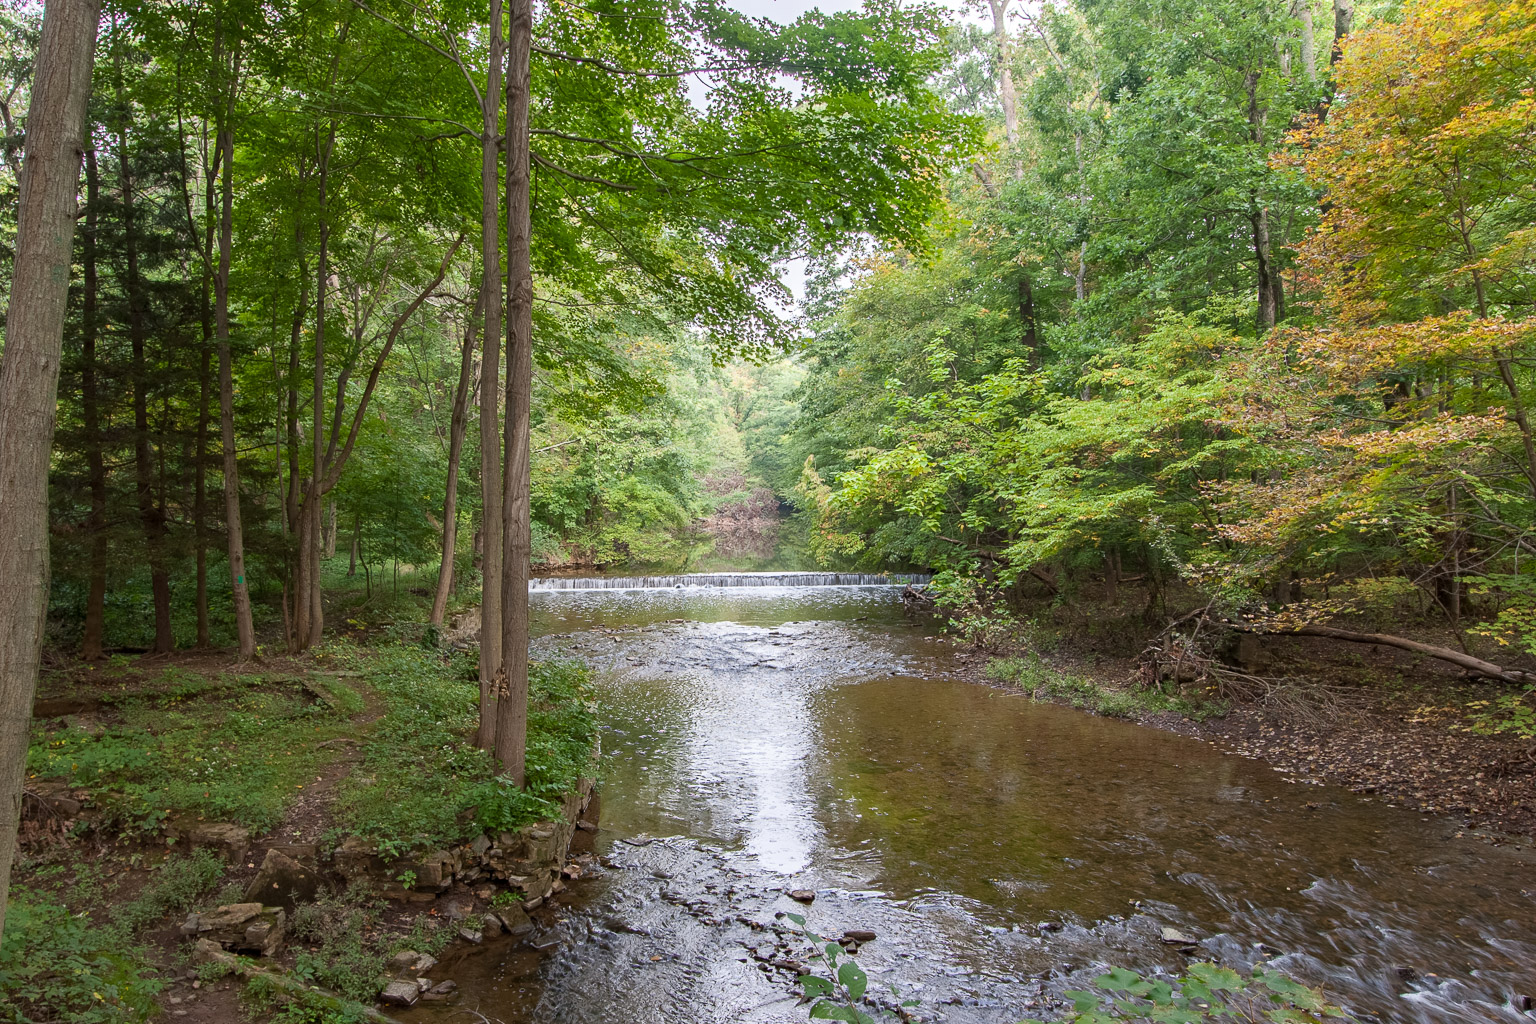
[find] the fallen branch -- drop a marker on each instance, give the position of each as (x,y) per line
(285,987)
(1476,666)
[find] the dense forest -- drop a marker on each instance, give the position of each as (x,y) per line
(1220,307)
(1221,300)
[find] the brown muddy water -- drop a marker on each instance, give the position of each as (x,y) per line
(764,739)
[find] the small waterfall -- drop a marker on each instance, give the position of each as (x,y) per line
(727,579)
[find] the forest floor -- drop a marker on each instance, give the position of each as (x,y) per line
(1405,729)
(157,786)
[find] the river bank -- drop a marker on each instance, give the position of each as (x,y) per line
(326,814)
(1395,727)
(769,740)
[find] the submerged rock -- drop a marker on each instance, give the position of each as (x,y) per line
(515,919)
(409,963)
(442,990)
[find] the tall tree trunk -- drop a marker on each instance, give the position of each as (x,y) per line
(457,425)
(512,714)
(151,514)
(1007,94)
(1270,285)
(1308,41)
(29,378)
(309,614)
(1343,23)
(200,480)
(239,592)
(90,401)
(490,394)
(330,529)
(1031,338)
(1271,295)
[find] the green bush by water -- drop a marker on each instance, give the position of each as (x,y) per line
(1042,682)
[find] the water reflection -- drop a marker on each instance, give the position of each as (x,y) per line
(815,739)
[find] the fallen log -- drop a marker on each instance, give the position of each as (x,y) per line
(1476,666)
(285,987)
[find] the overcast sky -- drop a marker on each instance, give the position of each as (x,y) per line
(783,11)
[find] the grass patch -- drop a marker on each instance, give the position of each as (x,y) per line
(69,955)
(1045,683)
(422,783)
(227,748)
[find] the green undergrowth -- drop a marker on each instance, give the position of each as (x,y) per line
(227,747)
(421,782)
(70,952)
(1205,994)
(1042,682)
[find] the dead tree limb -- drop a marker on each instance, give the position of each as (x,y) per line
(1474,665)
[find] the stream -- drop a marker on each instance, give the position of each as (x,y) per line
(765,738)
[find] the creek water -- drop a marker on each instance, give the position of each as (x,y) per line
(764,739)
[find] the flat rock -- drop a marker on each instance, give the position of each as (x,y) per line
(515,919)
(408,963)
(802,895)
(232,841)
(859,935)
(400,993)
(1174,937)
(471,935)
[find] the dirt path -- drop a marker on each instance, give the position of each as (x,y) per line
(309,815)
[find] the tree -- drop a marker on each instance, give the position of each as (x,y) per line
(29,374)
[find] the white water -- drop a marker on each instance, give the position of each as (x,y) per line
(734,579)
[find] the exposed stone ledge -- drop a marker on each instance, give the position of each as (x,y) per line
(528,859)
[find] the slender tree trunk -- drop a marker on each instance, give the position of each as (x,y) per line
(239,591)
(456,429)
(1270,296)
(90,401)
(1031,338)
(1007,94)
(200,479)
(1308,42)
(309,614)
(330,529)
(356,530)
(290,517)
(1343,23)
(29,378)
(151,515)
(512,715)
(490,395)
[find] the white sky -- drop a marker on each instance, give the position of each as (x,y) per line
(784,11)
